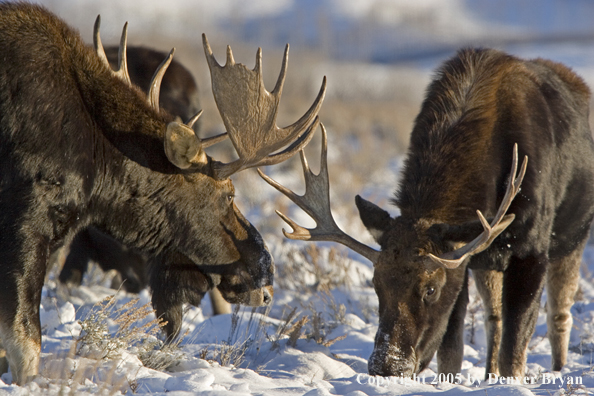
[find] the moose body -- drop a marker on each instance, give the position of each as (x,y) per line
(81,146)
(479,105)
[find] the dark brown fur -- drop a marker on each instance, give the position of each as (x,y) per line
(480,103)
(179,96)
(81,147)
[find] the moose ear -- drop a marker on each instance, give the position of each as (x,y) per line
(182,147)
(374,218)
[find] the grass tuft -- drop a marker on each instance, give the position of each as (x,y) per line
(136,333)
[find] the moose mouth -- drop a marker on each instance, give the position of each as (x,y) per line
(240,289)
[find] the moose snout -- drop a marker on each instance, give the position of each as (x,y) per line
(253,298)
(391,359)
(387,366)
(260,297)
(267,296)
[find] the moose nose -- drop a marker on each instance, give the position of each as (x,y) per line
(267,297)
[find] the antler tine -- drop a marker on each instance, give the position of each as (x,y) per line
(513,184)
(499,223)
(210,59)
(209,141)
(316,203)
(225,170)
(311,113)
(280,82)
(122,71)
(194,118)
(293,148)
(155,87)
(258,67)
(97,42)
(230,59)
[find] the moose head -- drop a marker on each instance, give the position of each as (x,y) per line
(238,261)
(418,273)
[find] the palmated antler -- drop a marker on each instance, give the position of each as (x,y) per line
(498,224)
(122,72)
(316,203)
(249,113)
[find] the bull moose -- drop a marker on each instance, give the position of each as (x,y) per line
(81,146)
(480,104)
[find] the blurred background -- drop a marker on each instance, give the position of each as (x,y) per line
(378,56)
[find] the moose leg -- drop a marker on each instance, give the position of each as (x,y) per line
(523,282)
(92,244)
(110,254)
(562,283)
(489,284)
(20,294)
(3,360)
(451,351)
(218,303)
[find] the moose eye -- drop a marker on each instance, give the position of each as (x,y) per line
(230,198)
(430,294)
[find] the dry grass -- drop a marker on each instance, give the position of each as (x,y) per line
(283,330)
(135,333)
(232,351)
(295,332)
(313,269)
(308,327)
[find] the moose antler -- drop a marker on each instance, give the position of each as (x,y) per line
(122,72)
(155,87)
(498,224)
(249,113)
(316,203)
